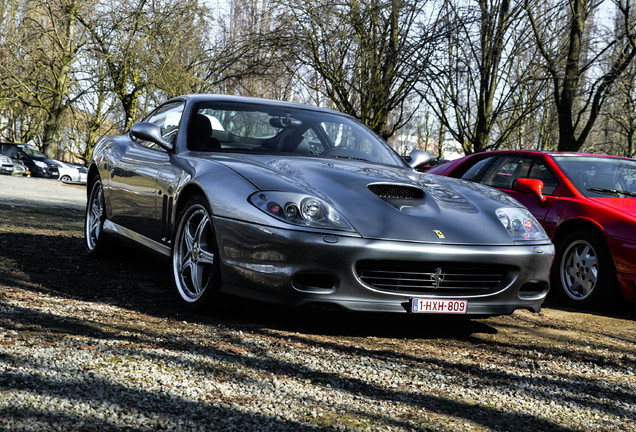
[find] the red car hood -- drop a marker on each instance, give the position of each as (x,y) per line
(623,205)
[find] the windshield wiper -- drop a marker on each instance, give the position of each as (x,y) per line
(612,191)
(351,157)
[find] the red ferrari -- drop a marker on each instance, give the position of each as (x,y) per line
(587,205)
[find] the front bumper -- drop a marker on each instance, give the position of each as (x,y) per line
(47,172)
(298,267)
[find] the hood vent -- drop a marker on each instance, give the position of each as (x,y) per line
(388,191)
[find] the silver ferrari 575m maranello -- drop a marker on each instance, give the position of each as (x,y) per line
(299,205)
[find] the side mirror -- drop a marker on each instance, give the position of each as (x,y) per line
(530,186)
(150,132)
(418,158)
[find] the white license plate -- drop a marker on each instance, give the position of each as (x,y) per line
(439,306)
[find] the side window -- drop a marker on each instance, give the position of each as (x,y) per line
(167,117)
(506,170)
(475,171)
(541,172)
(10,150)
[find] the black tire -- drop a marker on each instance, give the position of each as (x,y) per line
(195,260)
(95,239)
(65,178)
(584,274)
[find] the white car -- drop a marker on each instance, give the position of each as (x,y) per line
(70,173)
(6,165)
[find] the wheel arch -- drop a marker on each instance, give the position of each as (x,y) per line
(93,173)
(572,225)
(188,191)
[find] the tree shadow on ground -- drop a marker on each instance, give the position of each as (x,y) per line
(46,258)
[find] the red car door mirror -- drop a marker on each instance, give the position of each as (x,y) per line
(530,186)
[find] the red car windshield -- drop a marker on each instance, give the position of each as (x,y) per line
(598,176)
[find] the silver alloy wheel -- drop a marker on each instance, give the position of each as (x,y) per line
(193,262)
(579,270)
(66,178)
(94,216)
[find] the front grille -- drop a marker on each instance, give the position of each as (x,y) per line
(428,277)
(396,191)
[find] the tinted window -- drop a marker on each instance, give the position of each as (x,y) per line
(10,150)
(32,152)
(541,172)
(506,170)
(473,173)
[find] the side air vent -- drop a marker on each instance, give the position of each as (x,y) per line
(388,191)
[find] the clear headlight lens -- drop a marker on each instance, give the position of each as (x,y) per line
(299,209)
(521,225)
(40,164)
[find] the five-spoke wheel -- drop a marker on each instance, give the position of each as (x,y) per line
(195,266)
(94,220)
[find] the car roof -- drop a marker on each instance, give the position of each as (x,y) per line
(549,153)
(253,100)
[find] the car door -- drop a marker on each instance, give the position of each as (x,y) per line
(133,181)
(505,170)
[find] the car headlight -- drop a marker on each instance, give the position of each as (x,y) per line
(40,164)
(521,225)
(299,209)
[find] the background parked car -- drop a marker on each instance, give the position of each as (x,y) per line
(19,169)
(83,174)
(586,205)
(32,158)
(6,165)
(71,173)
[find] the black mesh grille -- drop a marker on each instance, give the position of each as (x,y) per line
(421,277)
(393,191)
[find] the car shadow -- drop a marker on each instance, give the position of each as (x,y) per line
(54,261)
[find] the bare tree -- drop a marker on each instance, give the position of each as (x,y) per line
(364,56)
(619,117)
(119,38)
(39,73)
(578,89)
(247,64)
(180,48)
(475,85)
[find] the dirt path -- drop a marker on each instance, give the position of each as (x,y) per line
(39,192)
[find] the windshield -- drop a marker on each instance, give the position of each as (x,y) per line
(32,151)
(252,128)
(597,176)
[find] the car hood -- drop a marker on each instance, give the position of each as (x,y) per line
(623,205)
(446,211)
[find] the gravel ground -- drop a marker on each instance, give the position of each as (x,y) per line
(90,344)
